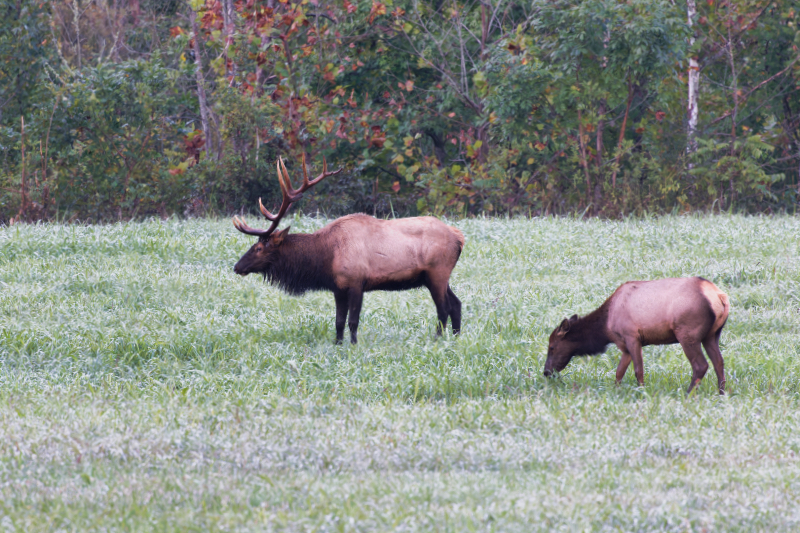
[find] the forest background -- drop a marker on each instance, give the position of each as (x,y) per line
(113,109)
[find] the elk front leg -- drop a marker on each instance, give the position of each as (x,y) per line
(624,361)
(355,296)
(341,313)
(633,347)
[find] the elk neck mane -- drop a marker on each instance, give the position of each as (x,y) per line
(589,333)
(300,264)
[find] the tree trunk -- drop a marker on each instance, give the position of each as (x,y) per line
(76,21)
(439,147)
(793,126)
(694,85)
(735,112)
(201,90)
(584,162)
(622,135)
(601,111)
(23,184)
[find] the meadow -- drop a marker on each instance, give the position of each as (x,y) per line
(144,386)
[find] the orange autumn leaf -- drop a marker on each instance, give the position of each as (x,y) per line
(377,9)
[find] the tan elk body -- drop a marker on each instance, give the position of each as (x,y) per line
(689,311)
(356,254)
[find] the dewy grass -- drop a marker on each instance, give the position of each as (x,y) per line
(144,386)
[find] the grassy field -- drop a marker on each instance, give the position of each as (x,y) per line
(144,386)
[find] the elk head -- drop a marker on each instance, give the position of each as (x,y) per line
(560,350)
(261,254)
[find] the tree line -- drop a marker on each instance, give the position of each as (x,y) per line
(118,109)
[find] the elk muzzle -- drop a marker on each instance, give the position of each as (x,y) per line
(240,269)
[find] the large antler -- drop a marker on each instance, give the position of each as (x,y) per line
(290,195)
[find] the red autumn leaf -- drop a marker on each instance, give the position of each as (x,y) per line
(351,8)
(396,186)
(378,137)
(660,115)
(398,12)
(175,31)
(639,130)
(192,144)
(409,86)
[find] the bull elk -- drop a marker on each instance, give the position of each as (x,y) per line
(689,311)
(353,255)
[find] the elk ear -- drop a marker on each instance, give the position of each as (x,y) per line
(573,319)
(563,328)
(278,236)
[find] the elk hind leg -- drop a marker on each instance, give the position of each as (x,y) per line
(341,313)
(711,344)
(455,310)
(356,297)
(698,361)
(438,290)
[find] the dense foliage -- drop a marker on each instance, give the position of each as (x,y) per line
(114,109)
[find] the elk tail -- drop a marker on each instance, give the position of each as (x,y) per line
(459,237)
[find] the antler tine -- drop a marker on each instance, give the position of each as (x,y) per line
(306,185)
(324,174)
(289,190)
(269,216)
(244,228)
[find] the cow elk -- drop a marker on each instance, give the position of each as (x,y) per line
(689,311)
(353,255)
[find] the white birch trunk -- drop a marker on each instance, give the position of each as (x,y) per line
(201,90)
(694,85)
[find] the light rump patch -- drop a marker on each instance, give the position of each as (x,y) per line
(719,302)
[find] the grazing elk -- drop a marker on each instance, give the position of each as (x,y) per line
(690,311)
(355,254)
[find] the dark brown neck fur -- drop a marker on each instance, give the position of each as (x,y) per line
(589,334)
(301,265)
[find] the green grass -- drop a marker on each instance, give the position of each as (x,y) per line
(144,386)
